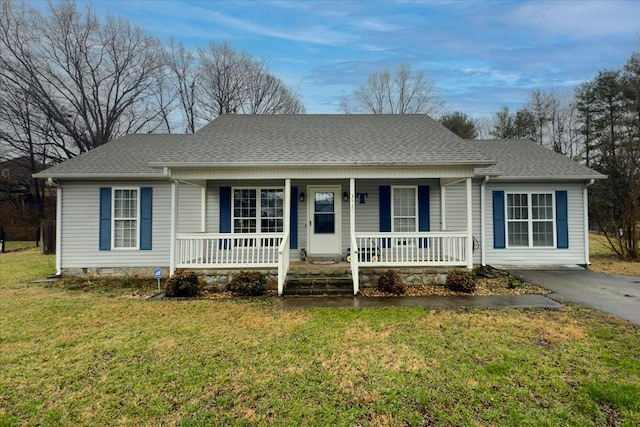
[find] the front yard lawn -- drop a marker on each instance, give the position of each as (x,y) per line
(72,357)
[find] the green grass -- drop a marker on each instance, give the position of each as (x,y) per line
(25,266)
(81,357)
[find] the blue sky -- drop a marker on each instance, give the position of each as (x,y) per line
(480,54)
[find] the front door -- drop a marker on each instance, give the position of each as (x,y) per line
(324,220)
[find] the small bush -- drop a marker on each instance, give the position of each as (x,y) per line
(182,284)
(391,282)
(460,280)
(247,284)
(127,281)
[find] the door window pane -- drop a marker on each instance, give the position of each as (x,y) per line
(324,202)
(324,213)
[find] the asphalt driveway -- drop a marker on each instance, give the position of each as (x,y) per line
(611,293)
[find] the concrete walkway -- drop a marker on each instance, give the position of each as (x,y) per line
(471,301)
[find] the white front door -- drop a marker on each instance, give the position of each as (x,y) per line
(325,205)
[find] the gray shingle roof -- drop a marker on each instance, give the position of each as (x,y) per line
(523,158)
(324,139)
(318,139)
(126,156)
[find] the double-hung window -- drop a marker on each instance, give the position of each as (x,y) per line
(404,212)
(530,220)
(125,218)
(258,210)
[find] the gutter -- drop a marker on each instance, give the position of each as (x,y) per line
(483,185)
(585,207)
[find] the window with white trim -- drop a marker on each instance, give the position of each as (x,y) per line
(530,220)
(253,215)
(125,218)
(405,209)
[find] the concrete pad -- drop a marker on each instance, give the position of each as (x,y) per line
(431,302)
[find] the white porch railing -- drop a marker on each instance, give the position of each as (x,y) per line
(283,262)
(412,249)
(207,250)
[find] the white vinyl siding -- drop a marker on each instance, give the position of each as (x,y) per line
(190,208)
(80,227)
(456,212)
(539,255)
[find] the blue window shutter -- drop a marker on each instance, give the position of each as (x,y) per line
(146,217)
(385,213)
(385,208)
(562,220)
(423,208)
(105,219)
(498,220)
(293,237)
(225,209)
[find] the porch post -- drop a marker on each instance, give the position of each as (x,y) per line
(287,207)
(469,225)
(352,231)
(173,226)
(283,249)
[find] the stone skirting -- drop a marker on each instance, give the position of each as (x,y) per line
(411,276)
(217,279)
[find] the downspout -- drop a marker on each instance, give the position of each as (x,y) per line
(585,202)
(58,187)
(483,184)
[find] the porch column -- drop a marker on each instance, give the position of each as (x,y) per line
(283,249)
(352,238)
(469,224)
(173,226)
(287,207)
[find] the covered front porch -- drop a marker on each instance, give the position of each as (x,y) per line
(399,222)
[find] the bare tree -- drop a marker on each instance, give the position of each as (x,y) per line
(90,81)
(231,82)
(267,94)
(400,92)
(182,65)
(222,76)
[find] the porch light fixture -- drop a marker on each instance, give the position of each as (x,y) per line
(345,196)
(301,196)
(363,197)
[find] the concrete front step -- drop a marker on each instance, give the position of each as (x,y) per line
(318,285)
(317,292)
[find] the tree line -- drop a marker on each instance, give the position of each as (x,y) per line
(70,82)
(599,125)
